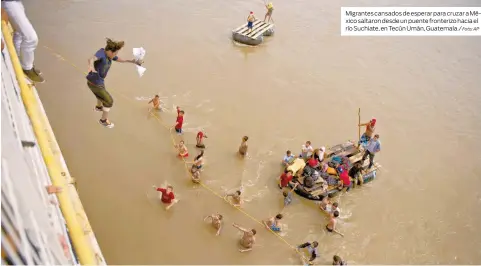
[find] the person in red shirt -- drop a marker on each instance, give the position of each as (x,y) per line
(179,121)
(167,196)
(285,178)
(199,138)
(313,162)
(345,181)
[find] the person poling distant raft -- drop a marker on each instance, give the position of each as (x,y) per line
(270,9)
(98,67)
(370,127)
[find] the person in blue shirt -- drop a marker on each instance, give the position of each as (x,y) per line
(373,147)
(98,67)
(288,158)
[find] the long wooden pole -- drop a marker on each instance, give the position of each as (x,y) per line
(359,126)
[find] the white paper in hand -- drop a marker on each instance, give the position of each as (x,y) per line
(139,54)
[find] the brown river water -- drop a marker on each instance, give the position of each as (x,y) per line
(304,83)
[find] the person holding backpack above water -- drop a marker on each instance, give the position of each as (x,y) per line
(270,9)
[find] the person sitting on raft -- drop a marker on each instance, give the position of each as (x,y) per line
(319,154)
(285,178)
(313,162)
(183,152)
(356,173)
(370,127)
(344,180)
(288,159)
(306,151)
(273,223)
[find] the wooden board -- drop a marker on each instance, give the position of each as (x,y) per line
(258,29)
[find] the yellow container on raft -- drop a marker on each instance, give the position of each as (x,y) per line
(297,165)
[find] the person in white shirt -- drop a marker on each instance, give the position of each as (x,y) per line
(306,151)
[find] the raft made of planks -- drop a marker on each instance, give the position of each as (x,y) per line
(260,29)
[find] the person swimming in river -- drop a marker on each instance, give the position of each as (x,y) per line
(248,238)
(216,221)
(155,103)
(183,152)
(250,21)
(236,198)
(243,147)
(331,225)
(195,175)
(273,223)
(198,162)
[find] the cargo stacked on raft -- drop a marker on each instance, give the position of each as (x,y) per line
(323,181)
(255,37)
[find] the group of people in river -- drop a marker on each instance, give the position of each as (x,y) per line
(248,238)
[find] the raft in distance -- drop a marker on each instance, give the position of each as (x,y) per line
(254,37)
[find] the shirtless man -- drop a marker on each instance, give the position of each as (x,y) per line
(236,198)
(155,103)
(273,223)
(248,239)
(216,221)
(243,147)
(331,226)
(370,127)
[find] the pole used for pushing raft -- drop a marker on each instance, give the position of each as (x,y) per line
(359,127)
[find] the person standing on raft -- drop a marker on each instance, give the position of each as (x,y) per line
(98,67)
(270,9)
(250,21)
(370,127)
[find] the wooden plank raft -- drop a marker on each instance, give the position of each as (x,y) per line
(258,29)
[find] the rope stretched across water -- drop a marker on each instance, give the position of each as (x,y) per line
(183,159)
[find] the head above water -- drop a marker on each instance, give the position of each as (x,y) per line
(308,143)
(169,188)
(238,192)
(181,112)
(288,153)
(373,121)
(112,47)
(336,214)
(285,193)
(315,244)
(254,232)
(289,172)
(245,138)
(335,204)
(336,260)
(156,96)
(252,13)
(219,216)
(279,216)
(181,142)
(376,136)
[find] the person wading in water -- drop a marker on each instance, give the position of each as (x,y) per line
(98,67)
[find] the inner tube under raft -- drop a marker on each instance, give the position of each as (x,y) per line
(330,193)
(246,40)
(269,32)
